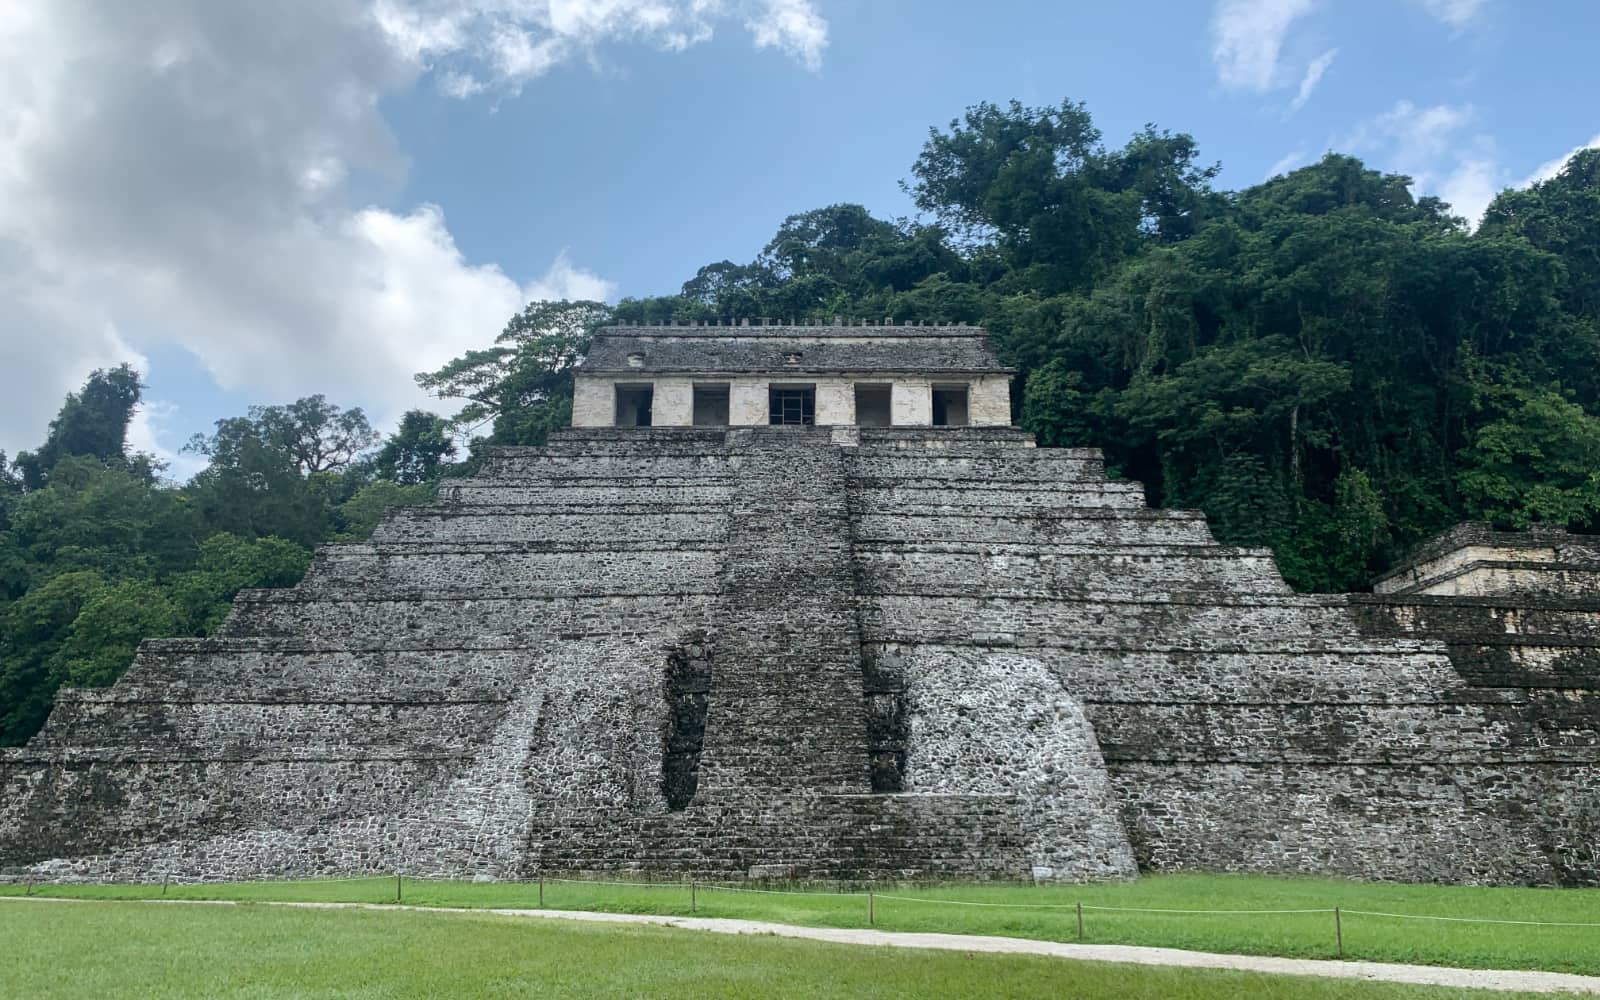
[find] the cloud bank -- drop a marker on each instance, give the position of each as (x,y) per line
(186,172)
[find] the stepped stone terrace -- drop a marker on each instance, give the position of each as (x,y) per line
(773,607)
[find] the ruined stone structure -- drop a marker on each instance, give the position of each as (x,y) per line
(893,640)
(751,376)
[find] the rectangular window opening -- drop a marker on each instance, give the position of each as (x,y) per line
(633,405)
(873,405)
(711,406)
(792,405)
(950,406)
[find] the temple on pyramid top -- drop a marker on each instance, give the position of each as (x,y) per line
(749,375)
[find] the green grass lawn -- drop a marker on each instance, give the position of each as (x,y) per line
(115,949)
(1307,935)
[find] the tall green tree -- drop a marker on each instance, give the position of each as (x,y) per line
(227,564)
(1561,215)
(314,434)
(1037,184)
(522,385)
(108,629)
(90,517)
(417,451)
(33,630)
(10,490)
(93,423)
(1534,459)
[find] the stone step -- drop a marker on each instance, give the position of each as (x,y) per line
(434,621)
(555,465)
(532,524)
(356,572)
(961,501)
(1294,673)
(1402,822)
(1488,616)
(1175,618)
(1069,570)
(1439,732)
(601,496)
(824,837)
(1020,466)
(1075,527)
(1561,662)
(788,650)
(981,438)
(235,730)
(253,667)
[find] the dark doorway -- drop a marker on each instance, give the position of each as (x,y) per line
(873,405)
(633,405)
(711,406)
(950,406)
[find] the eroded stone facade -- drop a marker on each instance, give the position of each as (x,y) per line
(673,362)
(824,651)
(1474,560)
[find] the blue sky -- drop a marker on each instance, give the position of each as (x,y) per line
(330,195)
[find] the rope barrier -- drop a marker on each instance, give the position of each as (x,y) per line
(775,892)
(1472,920)
(1150,909)
(967,902)
(631,885)
(1086,906)
(723,887)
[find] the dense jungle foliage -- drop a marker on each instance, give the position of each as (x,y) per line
(1324,363)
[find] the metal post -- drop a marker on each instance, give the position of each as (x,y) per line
(694,903)
(541,890)
(1338,931)
(1080,921)
(397,887)
(872,916)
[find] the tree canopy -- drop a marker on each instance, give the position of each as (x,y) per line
(98,553)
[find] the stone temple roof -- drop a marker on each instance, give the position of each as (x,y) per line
(930,349)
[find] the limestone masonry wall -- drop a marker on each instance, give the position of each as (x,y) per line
(832,652)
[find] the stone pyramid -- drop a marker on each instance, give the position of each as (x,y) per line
(818,652)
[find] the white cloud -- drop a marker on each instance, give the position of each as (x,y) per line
(1247,41)
(1413,136)
(1471,185)
(1312,77)
(151,430)
(1442,150)
(1286,163)
(794,26)
(1446,154)
(49,342)
(1550,168)
(179,172)
(1455,13)
(564,281)
(475,45)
